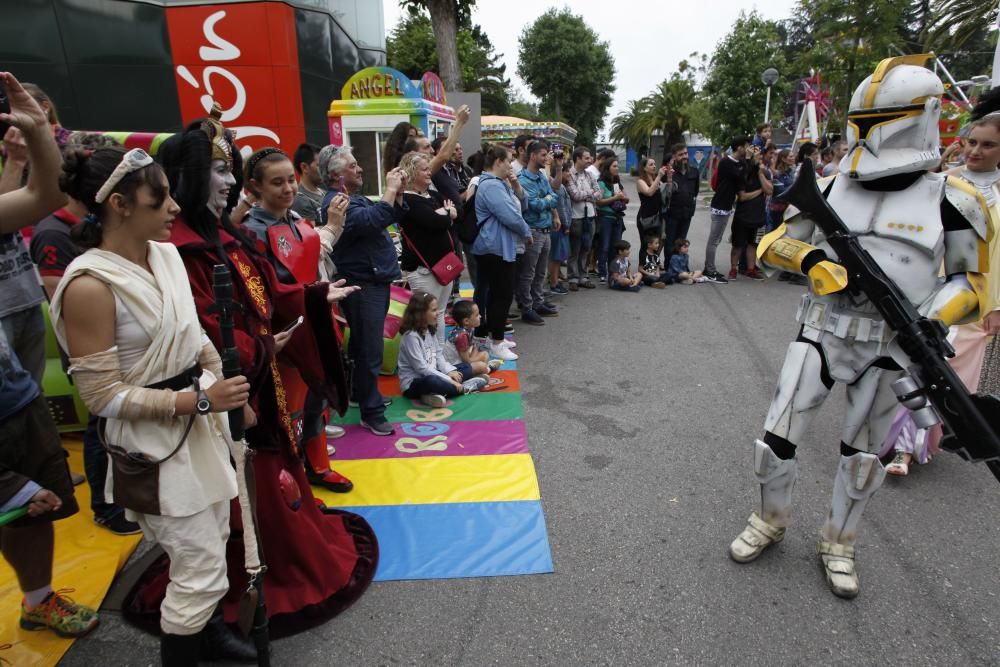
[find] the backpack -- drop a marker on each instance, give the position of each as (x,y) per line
(467,226)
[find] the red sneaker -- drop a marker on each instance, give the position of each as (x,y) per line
(755,274)
(732,274)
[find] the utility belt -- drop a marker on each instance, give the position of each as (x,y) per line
(822,316)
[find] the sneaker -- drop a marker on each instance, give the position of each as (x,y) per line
(784,276)
(474,384)
(732,274)
(77,478)
(755,275)
(434,400)
(701,279)
(386,402)
(501,352)
(379,426)
(61,615)
(531,317)
(716,278)
(574,287)
(514,315)
(559,289)
(118,524)
(334,431)
(602,280)
(507,342)
(658,285)
(330,449)
(545,310)
(508,327)
(587,285)
(494,364)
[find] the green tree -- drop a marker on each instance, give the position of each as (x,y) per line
(522,108)
(845,39)
(733,90)
(446,15)
(955,23)
(412,49)
(568,67)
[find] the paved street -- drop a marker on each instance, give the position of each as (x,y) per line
(641,411)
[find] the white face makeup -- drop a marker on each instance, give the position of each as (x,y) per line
(220,182)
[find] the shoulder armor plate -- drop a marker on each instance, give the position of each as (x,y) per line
(967,201)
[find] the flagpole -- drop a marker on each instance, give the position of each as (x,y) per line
(996,54)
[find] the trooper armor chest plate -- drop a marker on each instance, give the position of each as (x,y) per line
(901,230)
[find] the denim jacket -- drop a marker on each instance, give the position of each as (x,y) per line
(365,251)
(501,226)
(539,198)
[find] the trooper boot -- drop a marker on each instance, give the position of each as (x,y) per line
(777,480)
(179,650)
(219,642)
(859,476)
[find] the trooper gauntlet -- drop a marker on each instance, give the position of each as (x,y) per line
(779,251)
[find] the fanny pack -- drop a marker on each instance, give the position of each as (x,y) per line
(136,476)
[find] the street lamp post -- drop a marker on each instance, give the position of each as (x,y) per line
(769,77)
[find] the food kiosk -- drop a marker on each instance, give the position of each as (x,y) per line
(373,102)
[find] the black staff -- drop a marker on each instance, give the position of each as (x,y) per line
(253,599)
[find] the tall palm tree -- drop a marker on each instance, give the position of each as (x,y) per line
(668,109)
(954,22)
(631,127)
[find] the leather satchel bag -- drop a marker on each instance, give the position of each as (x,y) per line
(136,476)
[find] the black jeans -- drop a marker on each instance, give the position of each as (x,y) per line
(676,228)
(494,293)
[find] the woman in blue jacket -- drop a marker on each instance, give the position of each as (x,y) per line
(503,233)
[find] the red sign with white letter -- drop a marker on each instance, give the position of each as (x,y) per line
(245,57)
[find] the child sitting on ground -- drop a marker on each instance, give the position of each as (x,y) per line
(424,373)
(622,277)
(650,269)
(461,345)
(680,268)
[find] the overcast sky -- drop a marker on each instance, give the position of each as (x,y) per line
(647,37)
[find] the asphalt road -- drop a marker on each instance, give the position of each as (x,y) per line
(641,411)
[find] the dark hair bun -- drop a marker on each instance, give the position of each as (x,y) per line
(73,168)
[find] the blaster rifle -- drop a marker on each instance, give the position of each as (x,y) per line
(969,420)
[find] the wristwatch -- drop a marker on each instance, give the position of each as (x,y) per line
(202,404)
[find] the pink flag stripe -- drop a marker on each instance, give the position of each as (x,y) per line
(433,438)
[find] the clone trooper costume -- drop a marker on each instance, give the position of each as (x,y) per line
(912,223)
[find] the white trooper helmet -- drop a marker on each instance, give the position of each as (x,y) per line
(892,123)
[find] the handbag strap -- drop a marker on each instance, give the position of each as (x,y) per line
(414,247)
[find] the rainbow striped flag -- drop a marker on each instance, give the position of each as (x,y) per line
(454,492)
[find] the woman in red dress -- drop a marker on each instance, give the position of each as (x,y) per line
(319,560)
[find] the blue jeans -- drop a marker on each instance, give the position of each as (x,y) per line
(435,384)
(611,229)
(95,467)
(365,312)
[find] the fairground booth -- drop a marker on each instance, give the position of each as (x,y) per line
(504,129)
(373,102)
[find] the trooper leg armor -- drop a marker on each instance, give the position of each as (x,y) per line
(777,479)
(802,387)
(871,407)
